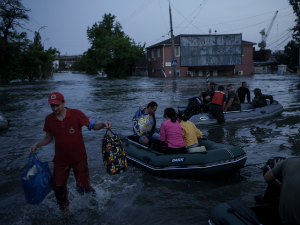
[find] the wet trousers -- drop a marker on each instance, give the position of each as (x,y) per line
(60,177)
(217,111)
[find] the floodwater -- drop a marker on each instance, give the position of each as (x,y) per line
(136,197)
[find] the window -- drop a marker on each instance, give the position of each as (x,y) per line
(242,50)
(158,52)
(152,53)
(177,51)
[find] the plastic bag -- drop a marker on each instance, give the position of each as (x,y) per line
(37,183)
(141,123)
(113,153)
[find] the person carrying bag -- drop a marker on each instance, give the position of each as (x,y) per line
(113,153)
(37,180)
(141,123)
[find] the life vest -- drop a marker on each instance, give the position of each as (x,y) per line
(218,98)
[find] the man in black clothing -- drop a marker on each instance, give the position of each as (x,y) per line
(242,92)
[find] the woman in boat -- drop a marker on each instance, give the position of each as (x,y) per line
(190,132)
(171,132)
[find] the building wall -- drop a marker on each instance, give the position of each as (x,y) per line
(247,61)
(157,64)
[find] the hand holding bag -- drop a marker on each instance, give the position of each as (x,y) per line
(37,180)
(141,123)
(113,153)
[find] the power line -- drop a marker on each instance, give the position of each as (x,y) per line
(187,19)
(135,13)
(279,39)
(277,46)
(162,15)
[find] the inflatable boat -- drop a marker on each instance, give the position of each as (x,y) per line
(218,159)
(3,122)
(247,113)
(235,212)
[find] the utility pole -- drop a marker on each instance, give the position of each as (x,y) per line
(172,38)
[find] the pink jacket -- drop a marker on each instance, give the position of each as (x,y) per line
(172,134)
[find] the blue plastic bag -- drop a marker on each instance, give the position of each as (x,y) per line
(141,123)
(40,184)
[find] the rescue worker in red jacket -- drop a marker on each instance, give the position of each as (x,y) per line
(217,104)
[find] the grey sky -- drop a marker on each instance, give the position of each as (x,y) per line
(148,20)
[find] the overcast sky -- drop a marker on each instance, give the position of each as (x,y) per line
(148,21)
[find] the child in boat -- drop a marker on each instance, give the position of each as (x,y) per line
(171,132)
(190,132)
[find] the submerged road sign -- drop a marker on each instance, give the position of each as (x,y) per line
(210,50)
(174,62)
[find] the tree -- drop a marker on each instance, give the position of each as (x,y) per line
(296,28)
(111,48)
(289,56)
(12,13)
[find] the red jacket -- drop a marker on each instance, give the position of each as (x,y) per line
(218,98)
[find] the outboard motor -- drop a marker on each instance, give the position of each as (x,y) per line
(195,106)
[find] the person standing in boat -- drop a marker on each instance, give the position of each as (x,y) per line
(217,104)
(242,92)
(65,124)
(190,132)
(287,172)
(150,134)
(171,132)
(233,103)
(260,100)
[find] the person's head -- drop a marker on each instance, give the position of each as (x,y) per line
(212,86)
(257,91)
(221,88)
(181,115)
(229,88)
(244,84)
(170,114)
(152,107)
(57,102)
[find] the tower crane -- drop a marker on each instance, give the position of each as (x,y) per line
(264,34)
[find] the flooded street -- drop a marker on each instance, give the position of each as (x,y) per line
(136,197)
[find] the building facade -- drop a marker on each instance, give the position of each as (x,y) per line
(68,59)
(159,58)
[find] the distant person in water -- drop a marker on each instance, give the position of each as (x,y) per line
(242,92)
(260,100)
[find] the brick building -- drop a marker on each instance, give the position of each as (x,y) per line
(159,58)
(68,59)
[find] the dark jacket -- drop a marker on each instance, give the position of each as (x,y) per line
(242,92)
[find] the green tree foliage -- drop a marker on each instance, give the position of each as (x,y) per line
(289,56)
(296,28)
(21,58)
(111,49)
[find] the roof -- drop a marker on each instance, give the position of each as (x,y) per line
(177,40)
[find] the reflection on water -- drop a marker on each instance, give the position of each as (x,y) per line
(135,196)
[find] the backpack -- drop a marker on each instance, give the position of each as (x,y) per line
(113,154)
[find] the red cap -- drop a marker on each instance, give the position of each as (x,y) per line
(55,98)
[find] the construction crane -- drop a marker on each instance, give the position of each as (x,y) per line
(264,34)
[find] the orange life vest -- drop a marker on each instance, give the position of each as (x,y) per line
(218,98)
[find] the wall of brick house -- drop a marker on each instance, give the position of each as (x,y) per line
(155,67)
(247,61)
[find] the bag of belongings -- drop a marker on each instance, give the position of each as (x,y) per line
(113,153)
(37,180)
(141,123)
